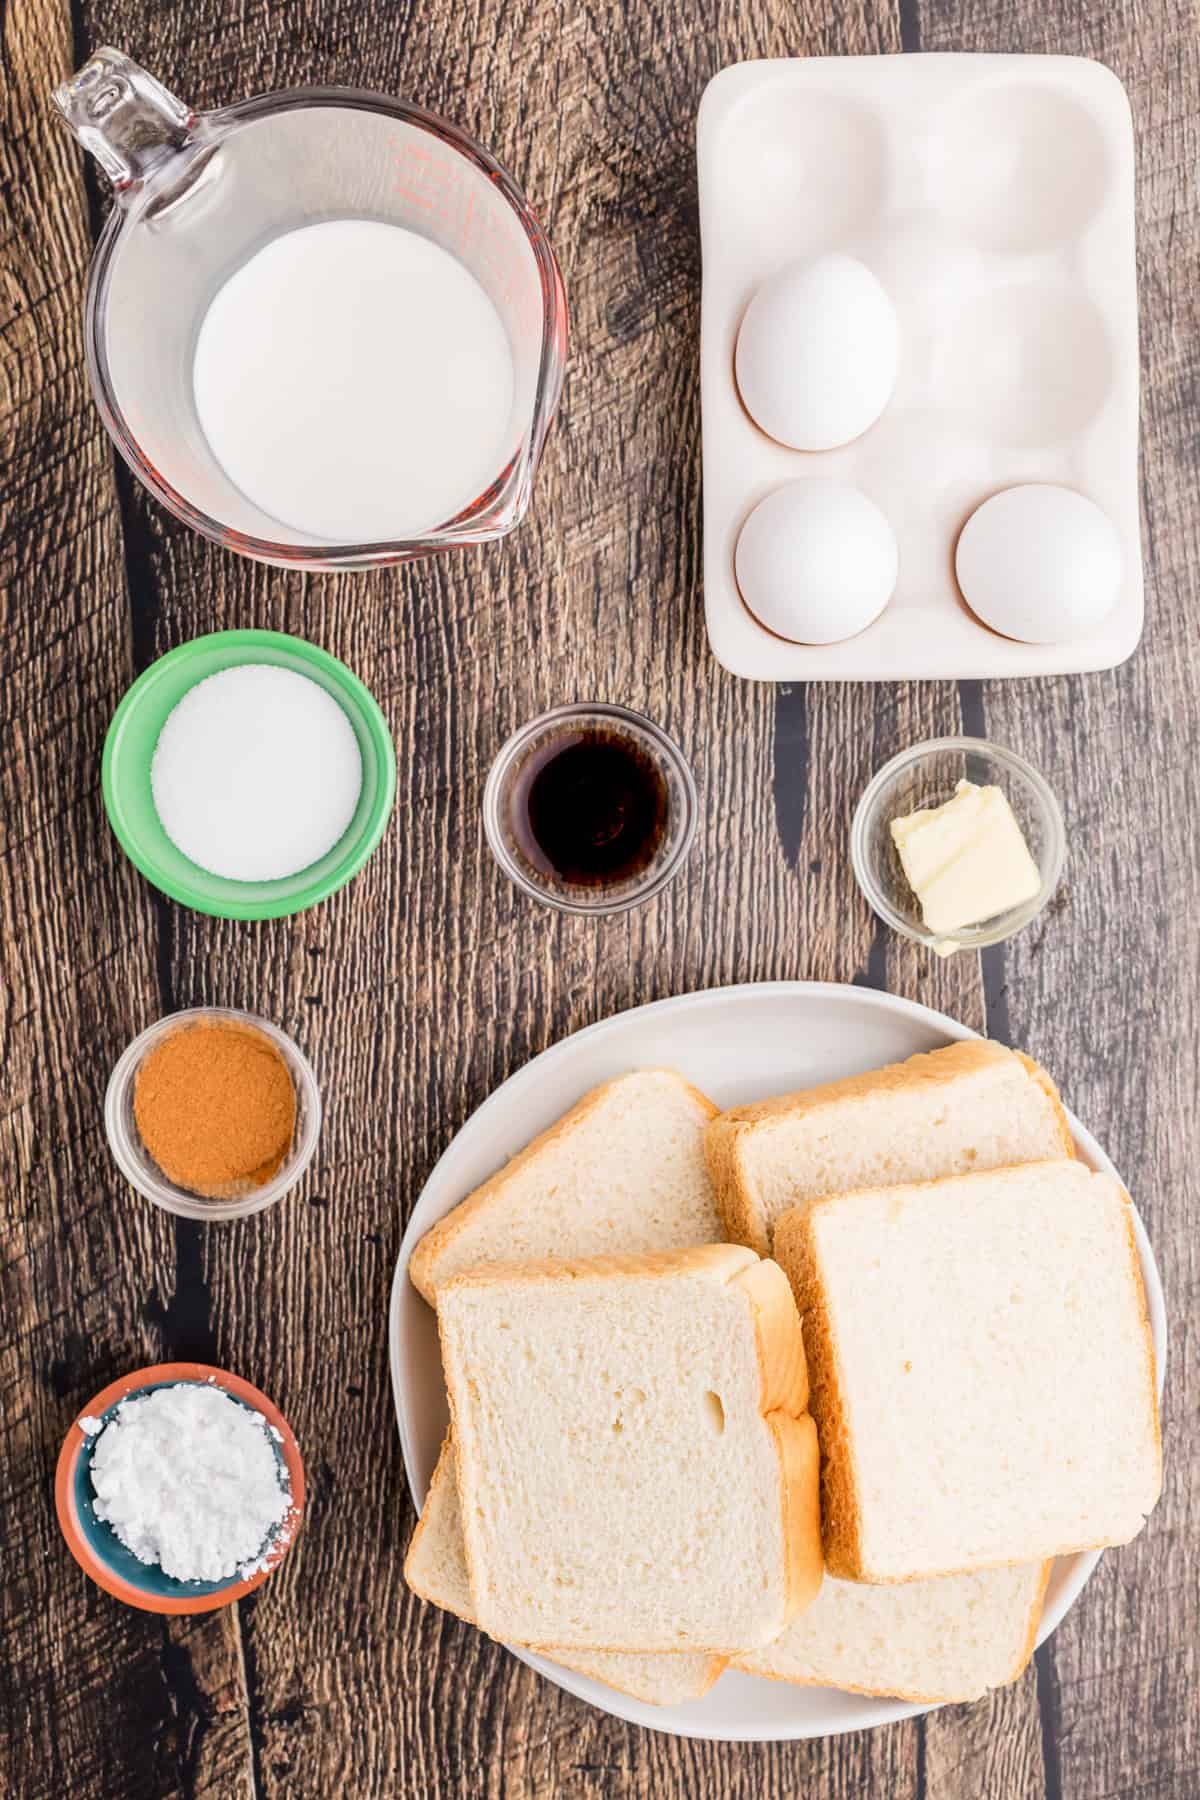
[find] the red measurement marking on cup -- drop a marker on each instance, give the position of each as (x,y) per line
(435,181)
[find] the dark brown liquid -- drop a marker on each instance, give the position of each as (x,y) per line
(589,808)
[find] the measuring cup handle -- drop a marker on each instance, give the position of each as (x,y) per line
(123,116)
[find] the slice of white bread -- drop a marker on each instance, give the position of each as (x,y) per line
(948,1639)
(623,1172)
(637,1468)
(973,1105)
(982,1369)
(436,1568)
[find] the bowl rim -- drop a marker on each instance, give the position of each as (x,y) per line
(976,937)
(366,708)
(164,1192)
(604,906)
(123,1388)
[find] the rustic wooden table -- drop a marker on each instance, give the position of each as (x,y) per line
(427,981)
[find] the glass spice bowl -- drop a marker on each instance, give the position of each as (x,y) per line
(605,898)
(925,776)
(139,1167)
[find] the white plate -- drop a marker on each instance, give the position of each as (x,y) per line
(993,196)
(736,1043)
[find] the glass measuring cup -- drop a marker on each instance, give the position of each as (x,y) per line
(197,194)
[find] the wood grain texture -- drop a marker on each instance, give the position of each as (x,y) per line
(84,1272)
(1108,993)
(420,987)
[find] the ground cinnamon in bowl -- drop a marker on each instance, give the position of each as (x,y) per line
(215,1105)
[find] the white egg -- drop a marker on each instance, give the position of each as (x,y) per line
(1039,563)
(816,561)
(816,353)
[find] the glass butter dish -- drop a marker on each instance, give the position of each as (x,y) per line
(926,776)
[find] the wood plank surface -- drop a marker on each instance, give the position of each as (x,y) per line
(94,1698)
(427,981)
(1109,994)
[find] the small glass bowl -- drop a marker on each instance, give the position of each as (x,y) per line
(683,810)
(139,1167)
(926,775)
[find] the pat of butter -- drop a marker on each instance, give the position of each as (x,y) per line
(966,861)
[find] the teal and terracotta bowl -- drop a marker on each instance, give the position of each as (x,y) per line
(129,751)
(96,1547)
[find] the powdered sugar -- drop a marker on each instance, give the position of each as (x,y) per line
(188,1479)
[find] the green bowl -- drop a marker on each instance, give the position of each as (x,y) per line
(129,750)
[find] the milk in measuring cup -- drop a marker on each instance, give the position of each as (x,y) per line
(354,380)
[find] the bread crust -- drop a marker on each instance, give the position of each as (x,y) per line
(721,1262)
(1147,1334)
(784,1404)
(740,1217)
(1050,1088)
(839,1507)
(800,1459)
(725,1139)
(716,1667)
(422,1264)
(441,1477)
(855,1687)
(1035,1619)
(784,1392)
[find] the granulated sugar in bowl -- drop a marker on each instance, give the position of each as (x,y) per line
(256,773)
(249,752)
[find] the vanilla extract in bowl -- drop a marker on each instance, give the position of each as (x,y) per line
(590,809)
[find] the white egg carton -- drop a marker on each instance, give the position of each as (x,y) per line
(993,196)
